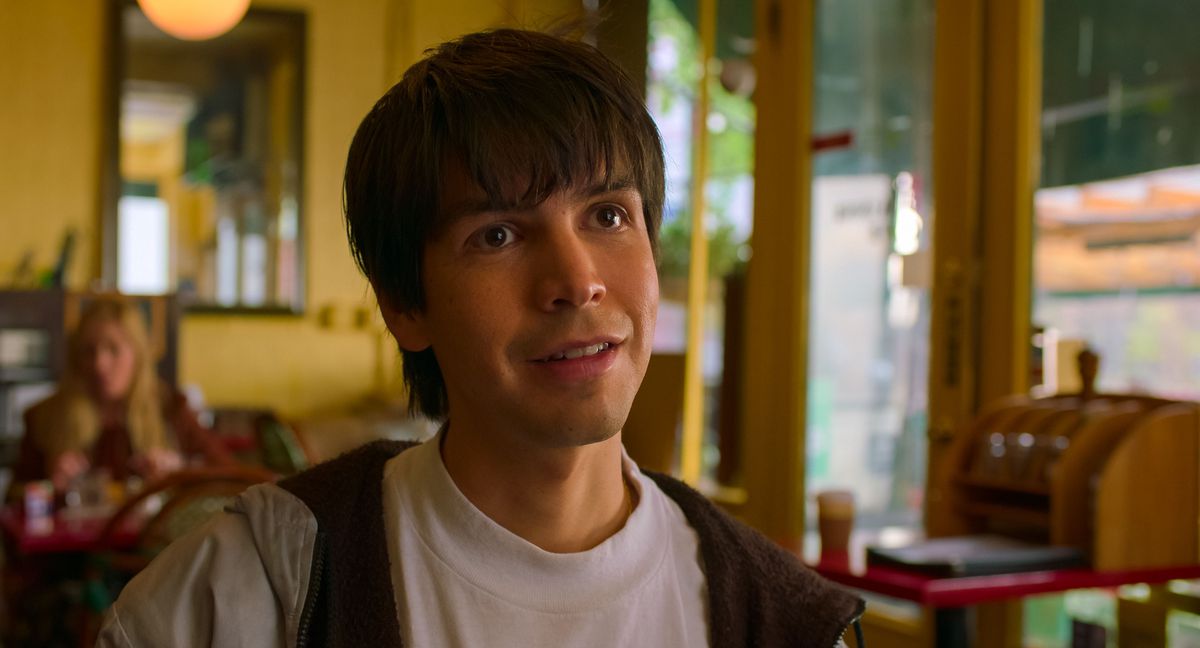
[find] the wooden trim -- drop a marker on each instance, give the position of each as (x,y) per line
(1011,146)
(883,627)
(112,72)
(957,135)
(987,103)
(1000,624)
(777,279)
(692,443)
(624,35)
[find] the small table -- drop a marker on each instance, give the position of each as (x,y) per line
(65,535)
(949,597)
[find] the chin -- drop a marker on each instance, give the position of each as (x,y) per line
(578,433)
(599,436)
(112,395)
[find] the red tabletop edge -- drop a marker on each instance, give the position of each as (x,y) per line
(65,536)
(972,590)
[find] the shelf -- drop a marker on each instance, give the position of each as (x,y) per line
(1146,291)
(1038,517)
(25,374)
(1040,490)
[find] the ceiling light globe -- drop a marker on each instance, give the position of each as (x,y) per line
(194,19)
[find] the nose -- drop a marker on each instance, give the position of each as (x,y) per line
(568,276)
(99,364)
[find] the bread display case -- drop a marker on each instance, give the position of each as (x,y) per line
(1113,475)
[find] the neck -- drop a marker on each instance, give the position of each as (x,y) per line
(112,412)
(563,500)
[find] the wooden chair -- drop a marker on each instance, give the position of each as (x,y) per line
(650,430)
(280,448)
(263,439)
(188,498)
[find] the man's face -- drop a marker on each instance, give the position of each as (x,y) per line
(541,318)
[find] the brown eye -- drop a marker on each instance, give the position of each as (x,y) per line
(609,217)
(497,236)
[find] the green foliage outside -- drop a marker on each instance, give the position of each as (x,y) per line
(731,149)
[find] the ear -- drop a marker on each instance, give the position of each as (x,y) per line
(408,328)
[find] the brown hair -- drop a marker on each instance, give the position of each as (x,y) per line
(74,421)
(518,109)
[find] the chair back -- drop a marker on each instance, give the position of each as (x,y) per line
(650,430)
(179,503)
(279,447)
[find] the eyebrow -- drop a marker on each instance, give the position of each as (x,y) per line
(615,184)
(461,209)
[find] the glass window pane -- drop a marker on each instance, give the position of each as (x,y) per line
(1117,251)
(143,241)
(871,229)
(672,96)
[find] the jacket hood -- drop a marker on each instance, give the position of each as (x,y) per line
(284,532)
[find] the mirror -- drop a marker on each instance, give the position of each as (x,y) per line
(209,164)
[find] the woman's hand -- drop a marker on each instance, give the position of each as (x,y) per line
(156,463)
(66,467)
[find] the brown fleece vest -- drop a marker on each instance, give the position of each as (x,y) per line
(758,594)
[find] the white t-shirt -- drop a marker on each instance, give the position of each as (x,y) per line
(462,580)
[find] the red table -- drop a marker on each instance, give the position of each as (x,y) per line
(65,535)
(951,596)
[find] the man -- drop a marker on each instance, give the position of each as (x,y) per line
(503,200)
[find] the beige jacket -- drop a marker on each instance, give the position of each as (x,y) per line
(239,581)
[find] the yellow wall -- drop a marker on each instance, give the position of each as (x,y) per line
(51,140)
(50,88)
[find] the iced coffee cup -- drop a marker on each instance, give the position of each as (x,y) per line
(835,521)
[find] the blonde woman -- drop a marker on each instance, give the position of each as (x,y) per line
(111,410)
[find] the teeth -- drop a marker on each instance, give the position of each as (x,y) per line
(579,353)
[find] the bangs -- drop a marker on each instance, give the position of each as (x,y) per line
(518,164)
(524,132)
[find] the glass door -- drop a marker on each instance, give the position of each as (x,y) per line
(870,233)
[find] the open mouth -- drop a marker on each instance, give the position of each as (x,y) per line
(581,352)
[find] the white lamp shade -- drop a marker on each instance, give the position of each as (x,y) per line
(194,19)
